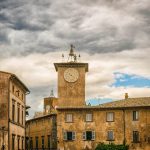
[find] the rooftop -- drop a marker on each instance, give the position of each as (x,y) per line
(125,103)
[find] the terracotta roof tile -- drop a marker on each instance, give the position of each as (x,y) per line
(125,103)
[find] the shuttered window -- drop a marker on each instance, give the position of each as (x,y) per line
(88,135)
(110,135)
(69,135)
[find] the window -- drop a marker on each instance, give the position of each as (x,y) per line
(89,117)
(22,97)
(31,143)
(22,115)
(89,135)
(110,136)
(18,118)
(22,143)
(13,88)
(49,144)
(18,142)
(13,142)
(135,115)
(36,142)
(13,111)
(69,136)
(69,118)
(110,116)
(18,93)
(135,136)
(148,139)
(42,141)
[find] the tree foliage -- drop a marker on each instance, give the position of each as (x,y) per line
(103,146)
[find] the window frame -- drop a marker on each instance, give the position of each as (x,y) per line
(18,142)
(84,135)
(135,115)
(18,113)
(22,143)
(22,115)
(109,139)
(65,136)
(43,141)
(136,139)
(90,120)
(31,142)
(66,118)
(107,120)
(13,142)
(13,110)
(49,141)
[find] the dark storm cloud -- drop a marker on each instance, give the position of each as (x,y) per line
(97,26)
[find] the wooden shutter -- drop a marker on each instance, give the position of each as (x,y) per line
(73,135)
(84,136)
(93,135)
(65,135)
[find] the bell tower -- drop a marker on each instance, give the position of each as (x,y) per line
(71,81)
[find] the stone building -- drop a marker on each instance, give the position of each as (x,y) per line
(12,111)
(41,131)
(82,127)
(125,121)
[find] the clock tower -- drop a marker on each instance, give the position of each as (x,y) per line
(71,81)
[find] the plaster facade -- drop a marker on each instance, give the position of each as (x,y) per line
(122,127)
(12,106)
(41,132)
(82,127)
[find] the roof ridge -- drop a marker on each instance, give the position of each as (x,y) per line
(114,101)
(6,72)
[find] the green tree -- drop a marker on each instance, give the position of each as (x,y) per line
(103,146)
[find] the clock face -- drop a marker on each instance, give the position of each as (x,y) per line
(71,75)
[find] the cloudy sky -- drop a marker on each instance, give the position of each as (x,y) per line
(113,36)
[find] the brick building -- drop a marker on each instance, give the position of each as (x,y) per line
(12,111)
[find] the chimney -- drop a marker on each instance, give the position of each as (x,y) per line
(126,96)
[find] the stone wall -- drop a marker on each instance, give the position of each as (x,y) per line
(101,127)
(71,94)
(42,127)
(4,96)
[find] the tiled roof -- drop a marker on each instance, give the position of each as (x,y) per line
(130,102)
(125,103)
(41,117)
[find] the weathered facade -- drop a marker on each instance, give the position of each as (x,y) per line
(41,132)
(82,127)
(12,111)
(108,123)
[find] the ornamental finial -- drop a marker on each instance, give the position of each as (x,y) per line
(71,50)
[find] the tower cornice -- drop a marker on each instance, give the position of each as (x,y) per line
(71,64)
